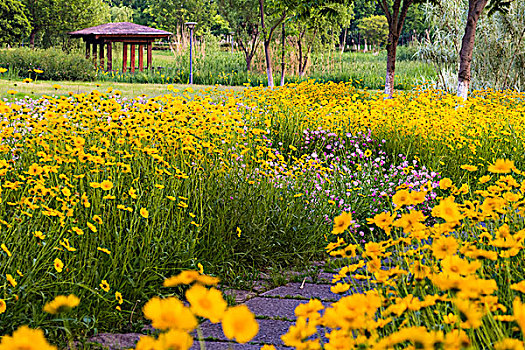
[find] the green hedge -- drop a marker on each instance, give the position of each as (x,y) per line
(56,64)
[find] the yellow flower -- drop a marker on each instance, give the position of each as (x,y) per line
(239,323)
(185,277)
(77,231)
(98,219)
(3,306)
(445,183)
(146,342)
(39,71)
(132,193)
(144,213)
(444,246)
(207,303)
(104,285)
(106,185)
(340,288)
(27,339)
(118,298)
(4,248)
(469,167)
(519,313)
(58,264)
(502,166)
(56,86)
(448,210)
(104,250)
(341,223)
(61,303)
(239,232)
(169,313)
(174,339)
(91,227)
(11,280)
(401,198)
(484,179)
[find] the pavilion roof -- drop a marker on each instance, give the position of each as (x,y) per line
(120,29)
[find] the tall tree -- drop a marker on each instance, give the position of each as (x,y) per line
(14,24)
(475,9)
(243,17)
(396,14)
(272,14)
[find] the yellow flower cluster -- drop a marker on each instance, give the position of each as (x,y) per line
(177,320)
(452,279)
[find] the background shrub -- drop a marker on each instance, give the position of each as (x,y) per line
(56,64)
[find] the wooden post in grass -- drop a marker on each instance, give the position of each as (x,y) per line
(88,49)
(110,56)
(141,57)
(150,55)
(101,55)
(132,58)
(125,58)
(95,54)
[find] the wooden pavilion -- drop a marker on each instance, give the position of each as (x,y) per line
(130,34)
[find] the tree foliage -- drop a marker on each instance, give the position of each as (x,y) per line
(374,29)
(14,24)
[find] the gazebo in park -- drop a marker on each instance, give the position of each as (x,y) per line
(130,34)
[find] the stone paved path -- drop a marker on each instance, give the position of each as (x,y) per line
(273,307)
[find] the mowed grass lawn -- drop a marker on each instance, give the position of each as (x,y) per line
(129,90)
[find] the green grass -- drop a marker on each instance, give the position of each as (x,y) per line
(129,90)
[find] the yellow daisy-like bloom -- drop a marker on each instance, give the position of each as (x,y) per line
(104,285)
(169,313)
(118,298)
(4,248)
(11,280)
(3,306)
(91,227)
(448,210)
(207,303)
(340,288)
(62,303)
(144,213)
(58,264)
(502,166)
(445,183)
(341,223)
(146,343)
(174,339)
(401,198)
(444,246)
(509,344)
(469,167)
(239,323)
(106,185)
(27,339)
(185,277)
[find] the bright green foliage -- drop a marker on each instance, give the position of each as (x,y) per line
(13,22)
(374,29)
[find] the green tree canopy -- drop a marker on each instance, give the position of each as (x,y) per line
(14,24)
(374,29)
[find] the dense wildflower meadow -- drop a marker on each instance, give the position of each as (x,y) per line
(116,209)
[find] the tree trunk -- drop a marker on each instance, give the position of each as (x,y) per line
(268,56)
(344,41)
(391,49)
(249,63)
(32,37)
(467,45)
(283,37)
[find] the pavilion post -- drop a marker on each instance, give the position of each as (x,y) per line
(88,50)
(110,56)
(150,55)
(133,58)
(95,53)
(125,58)
(141,57)
(101,55)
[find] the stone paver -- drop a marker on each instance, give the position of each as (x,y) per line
(116,341)
(309,291)
(274,308)
(215,345)
(270,331)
